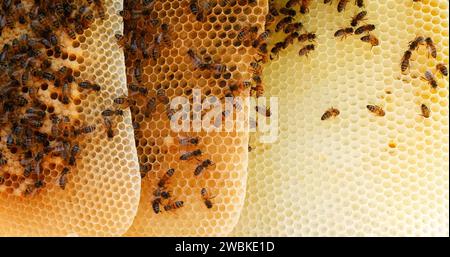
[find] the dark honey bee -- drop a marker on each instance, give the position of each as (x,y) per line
(357,18)
(431,47)
(261,39)
(373,40)
(276,49)
(306,37)
(159,192)
(63,178)
(283,23)
(202,166)
(292,3)
(293,27)
(109,112)
(306,50)
(100,9)
(429,77)
(377,110)
(304,6)
(364,28)
(343,33)
(138,71)
(288,11)
(359,3)
(248,32)
(173,206)
(3,160)
(150,107)
(416,42)
(341,5)
(206,198)
(332,112)
(156,205)
(189,155)
(440,67)
(189,141)
(404,64)
(289,40)
(425,111)
(166,177)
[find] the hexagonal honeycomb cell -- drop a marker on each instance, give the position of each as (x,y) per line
(102,192)
(355,174)
(175,74)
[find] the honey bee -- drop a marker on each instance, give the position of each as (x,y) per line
(293,27)
(431,47)
(206,198)
(306,50)
(425,111)
(189,140)
(198,62)
(283,23)
(165,178)
(290,39)
(306,36)
(429,77)
(378,111)
(364,28)
(415,43)
(343,33)
(261,39)
(147,2)
(3,161)
(100,9)
(246,32)
(109,112)
(204,165)
(150,107)
(371,39)
(359,3)
(276,49)
(440,67)
(288,11)
(357,18)
(107,122)
(138,71)
(304,6)
(263,110)
(174,205)
(404,64)
(292,3)
(162,97)
(341,5)
(156,205)
(189,155)
(332,112)
(164,37)
(159,192)
(63,178)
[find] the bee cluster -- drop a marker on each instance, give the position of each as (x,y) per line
(355,27)
(146,36)
(429,76)
(34,129)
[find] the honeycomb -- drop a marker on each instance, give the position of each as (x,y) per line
(102,193)
(158,147)
(356,174)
